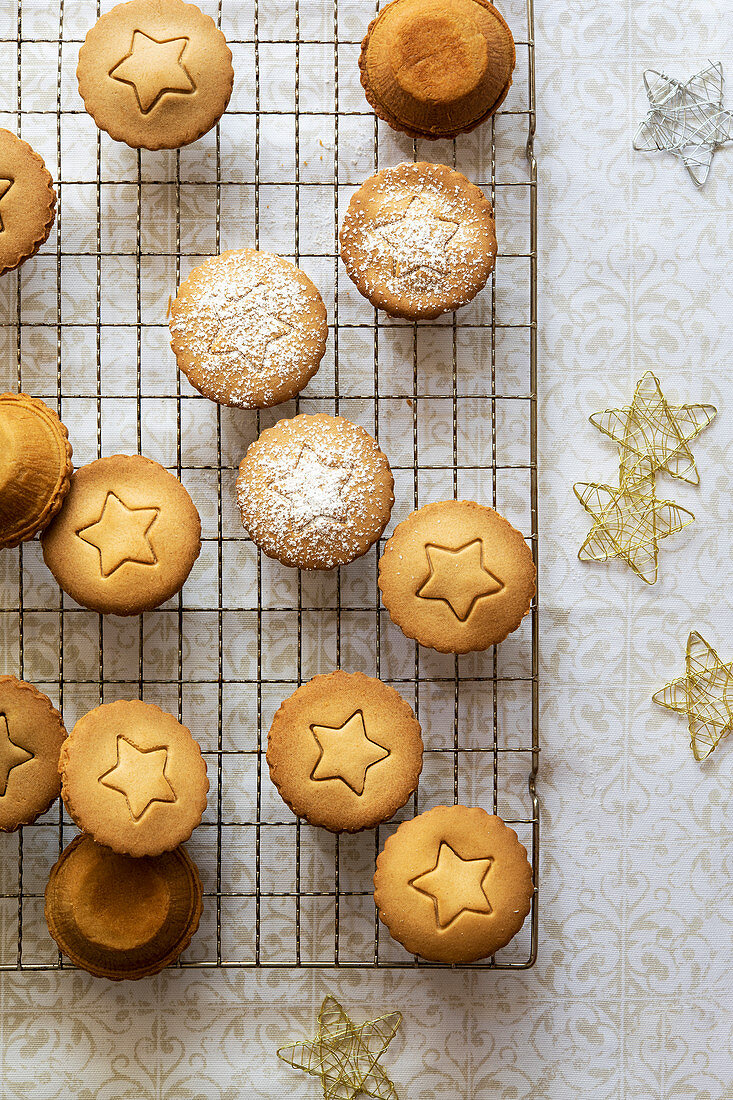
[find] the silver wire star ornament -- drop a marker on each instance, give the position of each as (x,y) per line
(687,119)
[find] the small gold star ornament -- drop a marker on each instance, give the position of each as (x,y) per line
(629,522)
(704,694)
(345,1055)
(654,435)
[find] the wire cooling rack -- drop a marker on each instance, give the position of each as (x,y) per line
(452,402)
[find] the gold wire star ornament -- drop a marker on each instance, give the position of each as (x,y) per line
(687,119)
(346,1056)
(704,694)
(653,435)
(629,522)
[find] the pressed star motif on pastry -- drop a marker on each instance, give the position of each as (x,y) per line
(11,755)
(5,186)
(154,68)
(344,1055)
(314,490)
(247,328)
(458,577)
(653,435)
(629,523)
(418,240)
(121,535)
(347,753)
(456,885)
(686,119)
(139,775)
(704,694)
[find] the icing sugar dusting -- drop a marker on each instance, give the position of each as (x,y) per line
(418,240)
(420,233)
(315,488)
(245,327)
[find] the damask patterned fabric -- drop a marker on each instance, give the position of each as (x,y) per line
(631,994)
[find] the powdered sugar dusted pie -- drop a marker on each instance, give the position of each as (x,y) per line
(419,240)
(248,329)
(315,491)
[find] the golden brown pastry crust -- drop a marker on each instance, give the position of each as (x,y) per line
(155,74)
(453,885)
(35,467)
(118,917)
(248,329)
(419,240)
(315,492)
(27,201)
(133,778)
(456,576)
(127,537)
(434,69)
(345,751)
(31,736)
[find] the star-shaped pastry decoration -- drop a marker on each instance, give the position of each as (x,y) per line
(313,490)
(458,577)
(121,535)
(629,522)
(139,775)
(247,328)
(704,694)
(11,754)
(418,240)
(347,753)
(687,119)
(154,68)
(653,435)
(346,1056)
(5,185)
(456,885)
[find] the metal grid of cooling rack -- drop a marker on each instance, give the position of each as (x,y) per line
(278,893)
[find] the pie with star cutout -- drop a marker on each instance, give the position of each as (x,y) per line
(248,328)
(133,778)
(345,751)
(419,240)
(27,201)
(457,577)
(315,491)
(156,76)
(454,884)
(126,538)
(31,736)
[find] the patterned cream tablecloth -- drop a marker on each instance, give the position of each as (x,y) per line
(631,994)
